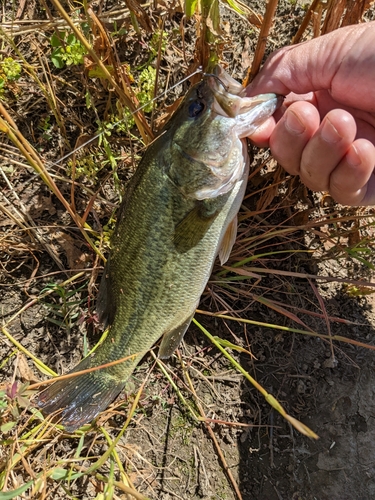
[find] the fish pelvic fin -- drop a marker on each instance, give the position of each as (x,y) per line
(228,241)
(80,399)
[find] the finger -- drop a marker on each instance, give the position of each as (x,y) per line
(326,149)
(352,182)
(262,135)
(325,103)
(292,133)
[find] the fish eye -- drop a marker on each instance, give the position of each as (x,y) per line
(196,108)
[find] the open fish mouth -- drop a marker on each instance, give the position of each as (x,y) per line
(231,101)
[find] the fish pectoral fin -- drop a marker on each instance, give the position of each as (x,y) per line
(193,227)
(171,340)
(228,241)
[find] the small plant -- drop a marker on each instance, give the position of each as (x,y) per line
(88,166)
(46,127)
(13,400)
(147,85)
(123,120)
(157,38)
(67,50)
(105,240)
(10,71)
(17,393)
(11,68)
(65,311)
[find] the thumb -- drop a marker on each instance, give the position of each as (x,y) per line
(313,65)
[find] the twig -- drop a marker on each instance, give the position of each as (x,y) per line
(226,468)
(262,39)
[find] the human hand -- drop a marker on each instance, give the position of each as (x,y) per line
(325,131)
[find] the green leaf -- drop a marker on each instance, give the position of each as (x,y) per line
(236,7)
(57,59)
(98,72)
(58,473)
(190,7)
(44,369)
(80,446)
(37,413)
(71,39)
(56,39)
(234,347)
(7,427)
(8,495)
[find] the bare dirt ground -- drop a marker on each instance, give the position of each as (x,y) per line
(165,451)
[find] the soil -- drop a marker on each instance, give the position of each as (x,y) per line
(168,454)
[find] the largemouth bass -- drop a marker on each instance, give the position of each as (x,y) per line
(178,214)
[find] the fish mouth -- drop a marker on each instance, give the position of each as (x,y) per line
(230,97)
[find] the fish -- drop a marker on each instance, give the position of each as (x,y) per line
(179,213)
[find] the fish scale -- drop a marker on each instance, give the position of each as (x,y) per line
(177,215)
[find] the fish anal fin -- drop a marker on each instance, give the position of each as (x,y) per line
(228,241)
(172,339)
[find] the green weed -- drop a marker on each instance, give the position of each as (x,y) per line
(64,307)
(122,121)
(147,85)
(10,71)
(10,68)
(67,50)
(106,234)
(159,39)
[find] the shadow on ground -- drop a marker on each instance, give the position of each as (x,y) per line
(338,403)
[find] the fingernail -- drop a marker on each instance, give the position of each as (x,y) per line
(352,157)
(329,132)
(294,124)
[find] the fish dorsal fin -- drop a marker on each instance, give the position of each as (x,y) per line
(228,241)
(171,340)
(193,227)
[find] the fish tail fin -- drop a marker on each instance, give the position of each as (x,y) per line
(80,398)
